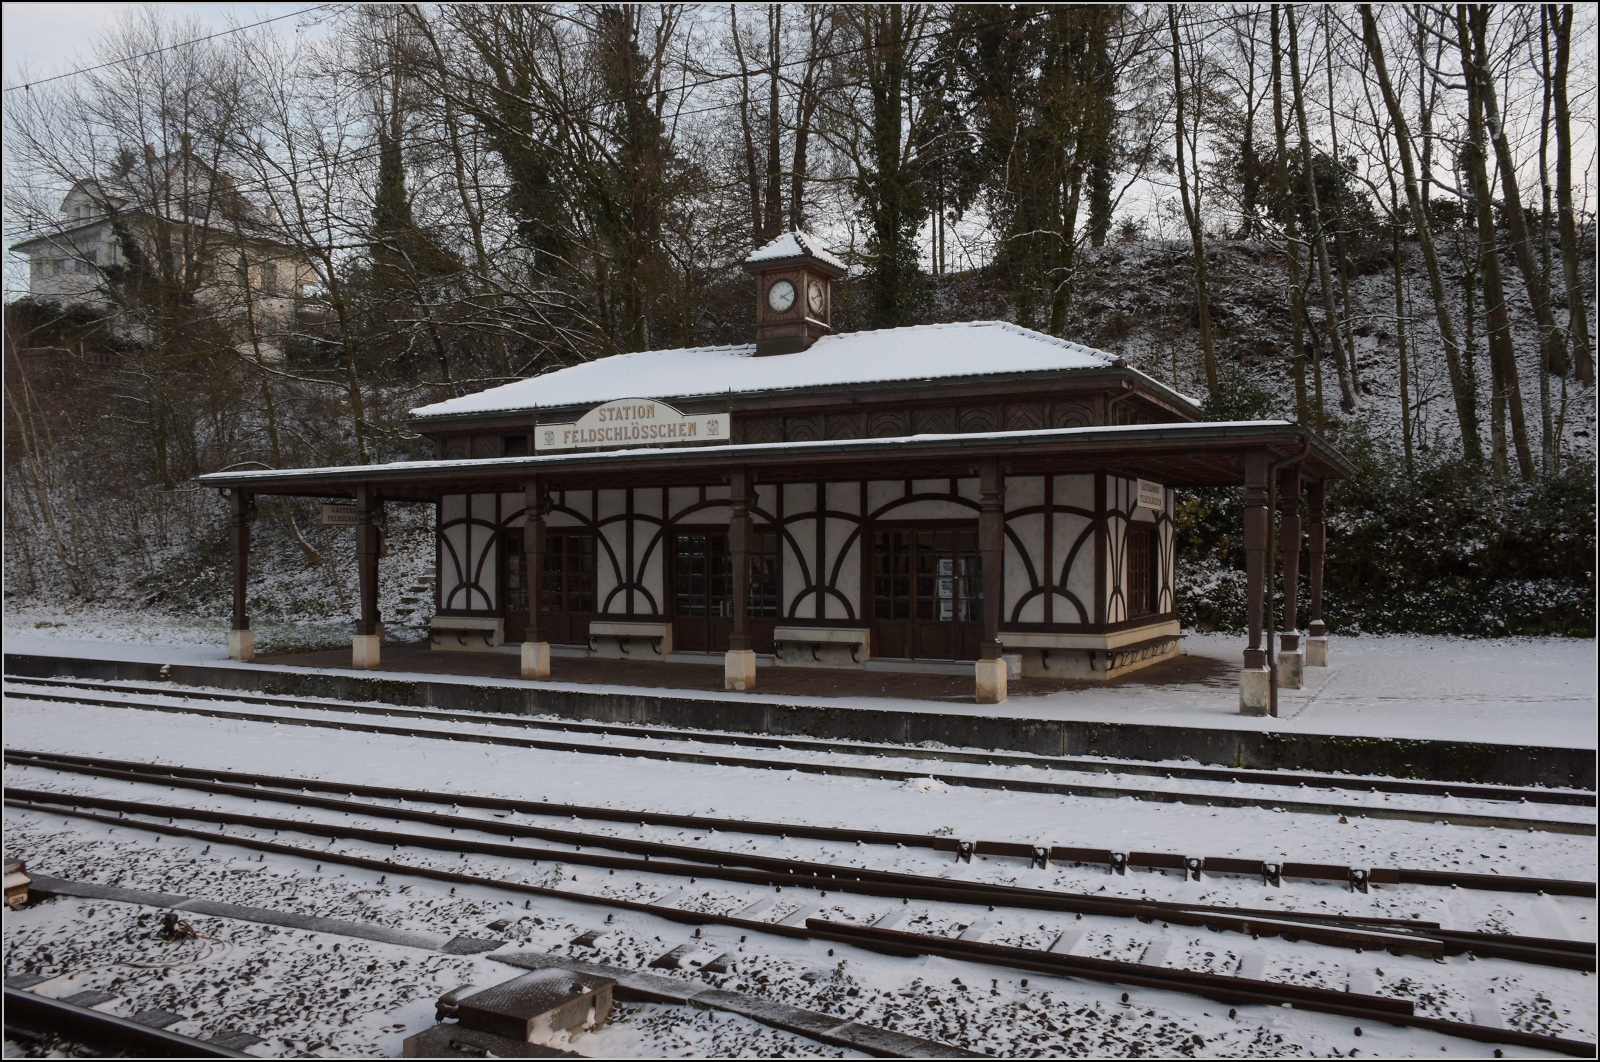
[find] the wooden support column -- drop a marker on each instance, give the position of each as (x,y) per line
(535,649)
(365,649)
(1291,659)
(1255,685)
(739,665)
(1316,630)
(241,639)
(991,667)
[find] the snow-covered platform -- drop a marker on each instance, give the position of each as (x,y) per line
(1507,711)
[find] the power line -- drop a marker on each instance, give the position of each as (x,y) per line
(28,86)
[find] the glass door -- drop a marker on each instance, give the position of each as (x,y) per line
(927,594)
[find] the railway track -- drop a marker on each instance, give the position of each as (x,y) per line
(28,1013)
(1092,764)
(1219,987)
(251,784)
(607,851)
(353,717)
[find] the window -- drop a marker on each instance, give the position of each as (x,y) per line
(269,276)
(1143,584)
(516,446)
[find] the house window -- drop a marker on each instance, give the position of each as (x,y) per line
(1142,582)
(516,446)
(269,276)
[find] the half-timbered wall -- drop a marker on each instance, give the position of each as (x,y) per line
(1051,546)
(1123,514)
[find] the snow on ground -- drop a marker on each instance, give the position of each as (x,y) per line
(1536,691)
(980,1007)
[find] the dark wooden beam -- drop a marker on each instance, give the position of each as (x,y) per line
(991,546)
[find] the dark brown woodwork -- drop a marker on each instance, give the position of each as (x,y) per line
(739,487)
(367,558)
(239,540)
(991,544)
(1289,549)
(533,555)
(1256,522)
(1316,502)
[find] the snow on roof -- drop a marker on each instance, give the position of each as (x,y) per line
(795,244)
(1184,431)
(917,352)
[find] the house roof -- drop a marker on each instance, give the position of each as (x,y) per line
(917,352)
(795,244)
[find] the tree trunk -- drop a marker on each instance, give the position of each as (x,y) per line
(1462,386)
(1291,226)
(1191,215)
(1546,414)
(1341,243)
(1550,340)
(752,170)
(773,221)
(1577,306)
(1400,323)
(1508,388)
(1330,324)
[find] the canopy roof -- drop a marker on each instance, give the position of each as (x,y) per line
(917,352)
(1179,455)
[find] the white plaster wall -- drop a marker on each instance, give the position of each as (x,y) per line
(1030,529)
(1080,577)
(613,553)
(649,550)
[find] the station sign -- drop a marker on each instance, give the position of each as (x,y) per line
(632,422)
(1152,496)
(336,515)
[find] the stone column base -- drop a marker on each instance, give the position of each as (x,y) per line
(366,650)
(739,669)
(991,676)
(242,644)
(1317,652)
(1291,670)
(1255,691)
(535,660)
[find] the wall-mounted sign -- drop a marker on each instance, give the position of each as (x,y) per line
(1152,496)
(632,422)
(340,515)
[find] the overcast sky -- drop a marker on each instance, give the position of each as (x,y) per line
(45,39)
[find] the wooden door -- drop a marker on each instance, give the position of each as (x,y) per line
(927,593)
(702,590)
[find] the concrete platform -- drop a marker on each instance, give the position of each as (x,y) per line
(1169,712)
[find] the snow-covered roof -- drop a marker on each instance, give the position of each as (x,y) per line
(1187,435)
(917,352)
(795,244)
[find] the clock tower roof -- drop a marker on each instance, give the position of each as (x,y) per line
(795,248)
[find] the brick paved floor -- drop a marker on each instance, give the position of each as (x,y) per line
(783,681)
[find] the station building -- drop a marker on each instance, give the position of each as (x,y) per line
(900,498)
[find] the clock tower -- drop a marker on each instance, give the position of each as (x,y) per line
(794,292)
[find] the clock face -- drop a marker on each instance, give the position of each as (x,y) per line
(780,296)
(814,298)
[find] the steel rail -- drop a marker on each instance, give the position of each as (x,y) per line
(40,1014)
(896,942)
(1246,991)
(1467,790)
(170,775)
(1004,784)
(822,878)
(1396,936)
